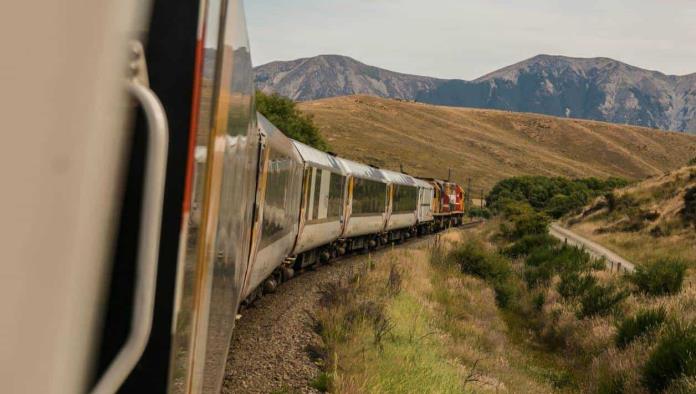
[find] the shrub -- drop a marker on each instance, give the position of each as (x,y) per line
(321,383)
(538,276)
(574,285)
(689,211)
(692,162)
(612,384)
(600,300)
(528,243)
(660,277)
(674,357)
(476,212)
(474,259)
(644,322)
(530,224)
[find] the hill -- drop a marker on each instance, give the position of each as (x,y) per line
(586,88)
(489,145)
(645,221)
(333,75)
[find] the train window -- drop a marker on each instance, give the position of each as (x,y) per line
(369,197)
(336,188)
(405,199)
(275,223)
(318,191)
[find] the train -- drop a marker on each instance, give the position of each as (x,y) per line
(152,200)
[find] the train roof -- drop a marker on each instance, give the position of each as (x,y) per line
(399,178)
(424,184)
(364,171)
(317,158)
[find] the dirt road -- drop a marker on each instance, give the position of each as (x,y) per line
(614,261)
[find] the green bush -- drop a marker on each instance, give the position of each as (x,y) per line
(477,212)
(574,285)
(689,211)
(644,322)
(600,300)
(530,224)
(474,259)
(692,162)
(557,196)
(283,113)
(673,358)
(660,277)
(612,384)
(528,243)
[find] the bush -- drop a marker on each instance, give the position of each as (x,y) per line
(283,113)
(528,243)
(574,285)
(530,224)
(660,277)
(474,259)
(477,212)
(689,211)
(692,162)
(556,195)
(642,323)
(673,358)
(600,300)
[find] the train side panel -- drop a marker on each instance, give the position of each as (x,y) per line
(279,206)
(324,198)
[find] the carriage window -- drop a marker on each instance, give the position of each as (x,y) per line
(405,198)
(369,197)
(336,187)
(276,199)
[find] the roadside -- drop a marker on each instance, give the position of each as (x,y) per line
(613,260)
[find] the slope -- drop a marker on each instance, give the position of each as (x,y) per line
(490,145)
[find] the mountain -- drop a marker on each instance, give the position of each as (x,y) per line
(587,88)
(489,145)
(333,75)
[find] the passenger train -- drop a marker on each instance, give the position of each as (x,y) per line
(152,200)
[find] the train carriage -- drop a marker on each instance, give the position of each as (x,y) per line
(323,211)
(279,199)
(366,207)
(426,192)
(402,214)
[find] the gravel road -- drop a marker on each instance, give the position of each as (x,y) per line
(614,261)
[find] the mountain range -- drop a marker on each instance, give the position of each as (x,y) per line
(588,88)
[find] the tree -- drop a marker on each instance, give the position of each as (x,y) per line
(283,113)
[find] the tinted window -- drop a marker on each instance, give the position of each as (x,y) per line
(336,188)
(276,201)
(369,197)
(405,198)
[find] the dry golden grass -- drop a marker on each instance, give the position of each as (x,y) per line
(447,334)
(489,145)
(664,195)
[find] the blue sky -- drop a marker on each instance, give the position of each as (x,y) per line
(469,38)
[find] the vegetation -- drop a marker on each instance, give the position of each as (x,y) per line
(692,162)
(283,113)
(554,196)
(643,323)
(689,211)
(673,357)
(660,277)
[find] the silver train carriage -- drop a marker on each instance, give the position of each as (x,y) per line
(323,214)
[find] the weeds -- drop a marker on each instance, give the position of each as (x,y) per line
(601,300)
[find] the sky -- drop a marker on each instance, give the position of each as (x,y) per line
(469,38)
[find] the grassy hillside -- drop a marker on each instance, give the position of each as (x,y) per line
(489,145)
(645,221)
